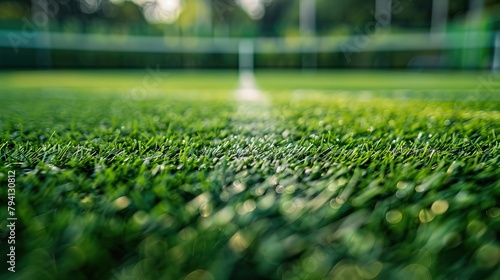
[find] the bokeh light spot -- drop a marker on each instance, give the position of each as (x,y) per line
(426,216)
(121,202)
(394,216)
(439,206)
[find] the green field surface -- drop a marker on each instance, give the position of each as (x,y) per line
(160,174)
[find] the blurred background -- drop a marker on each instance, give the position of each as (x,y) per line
(227,34)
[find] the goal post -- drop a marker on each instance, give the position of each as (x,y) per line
(246,55)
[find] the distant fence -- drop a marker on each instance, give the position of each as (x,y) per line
(308,46)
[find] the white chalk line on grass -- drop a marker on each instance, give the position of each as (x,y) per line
(248,90)
(254,108)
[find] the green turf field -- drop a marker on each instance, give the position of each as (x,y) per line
(333,175)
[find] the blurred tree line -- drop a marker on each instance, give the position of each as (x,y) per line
(220,17)
(235,18)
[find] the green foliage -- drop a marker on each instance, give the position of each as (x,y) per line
(331,181)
